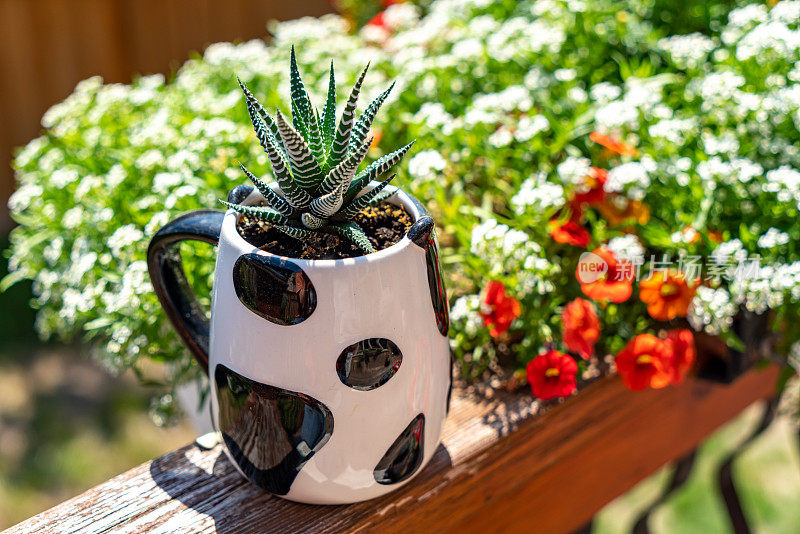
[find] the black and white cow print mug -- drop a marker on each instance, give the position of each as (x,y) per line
(330,379)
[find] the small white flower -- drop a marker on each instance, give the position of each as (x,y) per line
(573,170)
(773,238)
(426,165)
(628,174)
(628,247)
(535,191)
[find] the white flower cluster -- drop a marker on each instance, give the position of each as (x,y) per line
(425,166)
(536,192)
(712,310)
(513,252)
(465,312)
(687,51)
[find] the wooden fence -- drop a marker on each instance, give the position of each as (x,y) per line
(47,46)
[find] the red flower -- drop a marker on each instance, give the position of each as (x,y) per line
(378,20)
(645,361)
(603,277)
(681,343)
(498,310)
(552,374)
(581,327)
(569,232)
(592,193)
(614,145)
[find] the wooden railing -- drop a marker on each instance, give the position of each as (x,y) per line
(47,46)
(500,468)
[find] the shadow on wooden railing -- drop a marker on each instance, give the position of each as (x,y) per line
(502,466)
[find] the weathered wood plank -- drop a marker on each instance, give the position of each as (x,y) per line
(501,467)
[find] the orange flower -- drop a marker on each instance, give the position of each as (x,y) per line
(603,277)
(645,361)
(581,327)
(552,374)
(612,144)
(667,294)
(681,343)
(569,232)
(617,209)
(377,135)
(379,20)
(592,191)
(498,309)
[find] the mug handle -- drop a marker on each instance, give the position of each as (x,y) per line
(169,281)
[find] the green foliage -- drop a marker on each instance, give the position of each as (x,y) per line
(501,97)
(319,186)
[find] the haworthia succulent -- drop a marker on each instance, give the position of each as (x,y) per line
(314,162)
(342,137)
(362,126)
(275,201)
(305,169)
(364,200)
(374,170)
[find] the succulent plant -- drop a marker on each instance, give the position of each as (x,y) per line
(315,163)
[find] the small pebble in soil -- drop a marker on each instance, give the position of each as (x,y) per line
(384,225)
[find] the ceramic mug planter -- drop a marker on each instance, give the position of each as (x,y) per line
(330,379)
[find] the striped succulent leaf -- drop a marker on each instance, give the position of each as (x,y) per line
(374,170)
(262,122)
(329,114)
(311,221)
(305,168)
(342,137)
(292,191)
(260,212)
(302,108)
(365,200)
(364,122)
(275,201)
(297,233)
(340,176)
(327,205)
(354,233)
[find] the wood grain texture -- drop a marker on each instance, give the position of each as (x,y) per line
(501,467)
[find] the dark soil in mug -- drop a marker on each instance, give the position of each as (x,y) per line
(384,224)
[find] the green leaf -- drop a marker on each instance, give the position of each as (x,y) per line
(305,169)
(364,122)
(11,278)
(297,233)
(340,176)
(293,193)
(364,200)
(342,137)
(329,113)
(275,201)
(354,233)
(259,212)
(374,170)
(262,122)
(303,116)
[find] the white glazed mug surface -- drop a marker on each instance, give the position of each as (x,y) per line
(292,419)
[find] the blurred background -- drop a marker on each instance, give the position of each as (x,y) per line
(66,424)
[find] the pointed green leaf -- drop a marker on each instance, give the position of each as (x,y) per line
(354,233)
(274,200)
(259,212)
(329,113)
(361,202)
(305,169)
(364,122)
(342,137)
(374,170)
(340,176)
(298,233)
(308,125)
(262,122)
(294,194)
